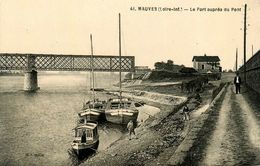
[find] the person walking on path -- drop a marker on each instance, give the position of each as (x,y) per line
(237,82)
(186,112)
(131,128)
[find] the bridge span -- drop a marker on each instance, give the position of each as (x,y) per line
(31,63)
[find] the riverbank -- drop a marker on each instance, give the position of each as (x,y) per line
(159,136)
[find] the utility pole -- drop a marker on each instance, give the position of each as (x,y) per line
(92,69)
(120,77)
(236,58)
(245,44)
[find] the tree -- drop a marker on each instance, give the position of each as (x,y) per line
(170,62)
(165,66)
(159,65)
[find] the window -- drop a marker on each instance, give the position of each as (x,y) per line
(202,66)
(114,105)
(89,135)
(79,132)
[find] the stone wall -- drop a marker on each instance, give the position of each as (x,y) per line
(252,72)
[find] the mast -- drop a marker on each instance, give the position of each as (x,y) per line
(92,69)
(120,79)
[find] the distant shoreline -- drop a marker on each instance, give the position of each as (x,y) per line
(51,73)
(11,74)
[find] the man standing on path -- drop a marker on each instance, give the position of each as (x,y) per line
(186,112)
(131,129)
(237,82)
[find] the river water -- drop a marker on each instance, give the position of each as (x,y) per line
(36,128)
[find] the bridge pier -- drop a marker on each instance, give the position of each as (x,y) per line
(30,81)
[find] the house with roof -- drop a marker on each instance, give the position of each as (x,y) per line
(206,64)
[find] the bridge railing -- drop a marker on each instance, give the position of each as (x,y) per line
(50,62)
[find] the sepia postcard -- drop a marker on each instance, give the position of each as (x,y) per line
(129,82)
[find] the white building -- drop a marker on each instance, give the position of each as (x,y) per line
(206,63)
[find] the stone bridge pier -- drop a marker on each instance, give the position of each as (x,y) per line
(30,80)
(30,75)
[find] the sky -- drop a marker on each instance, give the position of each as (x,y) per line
(64,26)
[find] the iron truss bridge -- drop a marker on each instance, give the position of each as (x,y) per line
(52,62)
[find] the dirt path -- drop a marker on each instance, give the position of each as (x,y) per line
(236,138)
